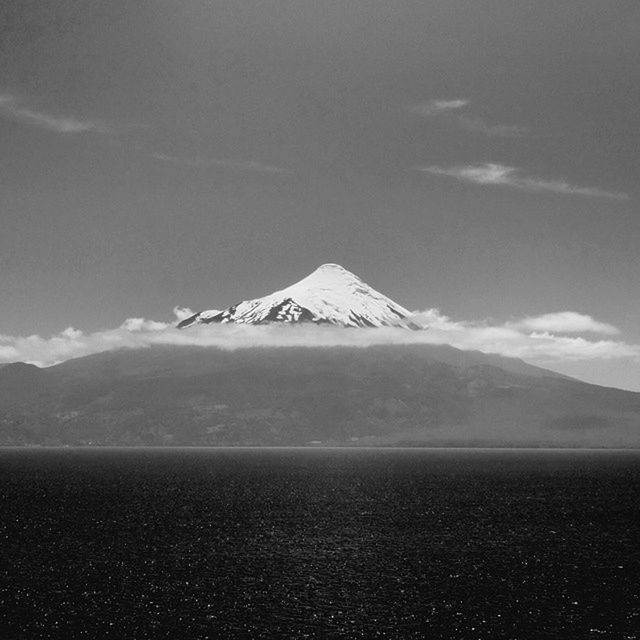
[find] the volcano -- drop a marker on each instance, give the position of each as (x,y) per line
(330,295)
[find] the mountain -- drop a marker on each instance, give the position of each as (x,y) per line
(20,383)
(329,295)
(411,395)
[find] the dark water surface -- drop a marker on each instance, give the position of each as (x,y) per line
(290,543)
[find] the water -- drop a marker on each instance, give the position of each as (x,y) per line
(277,543)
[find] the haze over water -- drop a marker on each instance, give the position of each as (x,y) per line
(295,543)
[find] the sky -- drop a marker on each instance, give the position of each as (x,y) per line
(480,158)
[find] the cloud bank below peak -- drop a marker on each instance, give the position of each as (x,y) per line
(565,322)
(546,339)
(499,175)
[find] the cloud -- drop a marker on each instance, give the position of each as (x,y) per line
(520,340)
(493,174)
(477,125)
(182,313)
(470,123)
(565,322)
(137,324)
(8,353)
(202,161)
(541,339)
(10,107)
(436,107)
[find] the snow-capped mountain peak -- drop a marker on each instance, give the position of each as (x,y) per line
(329,295)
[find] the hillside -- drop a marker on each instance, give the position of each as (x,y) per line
(395,395)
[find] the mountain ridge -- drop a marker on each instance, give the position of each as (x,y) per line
(381,395)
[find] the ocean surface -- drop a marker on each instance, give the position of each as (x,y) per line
(319,543)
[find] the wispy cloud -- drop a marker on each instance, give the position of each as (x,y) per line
(436,107)
(543,339)
(477,125)
(10,107)
(500,175)
(203,161)
(470,123)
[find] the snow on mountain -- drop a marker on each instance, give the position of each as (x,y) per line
(329,295)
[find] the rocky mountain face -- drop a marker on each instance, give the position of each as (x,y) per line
(329,295)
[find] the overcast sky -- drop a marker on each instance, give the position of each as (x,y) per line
(481,157)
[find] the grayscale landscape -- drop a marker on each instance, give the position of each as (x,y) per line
(319,319)
(352,392)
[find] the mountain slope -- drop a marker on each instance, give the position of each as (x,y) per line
(329,295)
(391,394)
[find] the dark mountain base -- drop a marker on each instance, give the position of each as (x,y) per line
(385,395)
